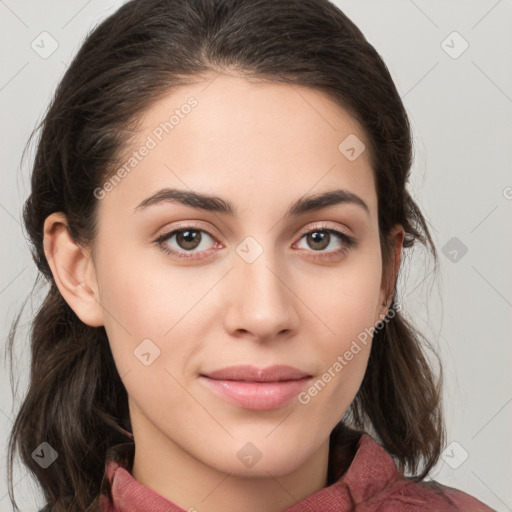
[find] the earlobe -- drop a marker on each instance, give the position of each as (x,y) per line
(73,270)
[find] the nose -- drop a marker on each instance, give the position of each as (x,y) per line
(261,302)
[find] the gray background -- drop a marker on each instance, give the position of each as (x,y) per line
(460,106)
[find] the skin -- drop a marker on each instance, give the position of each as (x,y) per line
(260,146)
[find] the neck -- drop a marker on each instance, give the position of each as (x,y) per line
(175,474)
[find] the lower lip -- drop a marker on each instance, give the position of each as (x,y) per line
(259,396)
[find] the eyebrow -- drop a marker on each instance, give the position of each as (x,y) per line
(216,204)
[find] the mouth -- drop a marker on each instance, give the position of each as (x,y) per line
(253,388)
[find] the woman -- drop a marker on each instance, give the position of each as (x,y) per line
(219,205)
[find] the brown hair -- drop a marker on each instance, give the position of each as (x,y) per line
(76,400)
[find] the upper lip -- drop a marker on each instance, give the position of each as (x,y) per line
(249,373)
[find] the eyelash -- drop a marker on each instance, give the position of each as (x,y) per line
(348,241)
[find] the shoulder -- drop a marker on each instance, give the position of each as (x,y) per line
(409,496)
(376,485)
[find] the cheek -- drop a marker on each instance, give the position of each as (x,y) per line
(143,301)
(342,355)
(347,301)
(133,304)
(137,295)
(346,308)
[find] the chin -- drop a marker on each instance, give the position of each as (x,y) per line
(259,458)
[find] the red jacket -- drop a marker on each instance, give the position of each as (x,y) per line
(371,484)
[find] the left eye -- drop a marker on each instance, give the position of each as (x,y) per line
(320,239)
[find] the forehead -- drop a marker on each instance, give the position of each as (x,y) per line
(249,139)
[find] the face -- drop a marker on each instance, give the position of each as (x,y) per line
(190,289)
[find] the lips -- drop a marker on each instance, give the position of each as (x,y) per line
(257,388)
(248,373)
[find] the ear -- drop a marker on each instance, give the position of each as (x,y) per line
(390,271)
(73,270)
